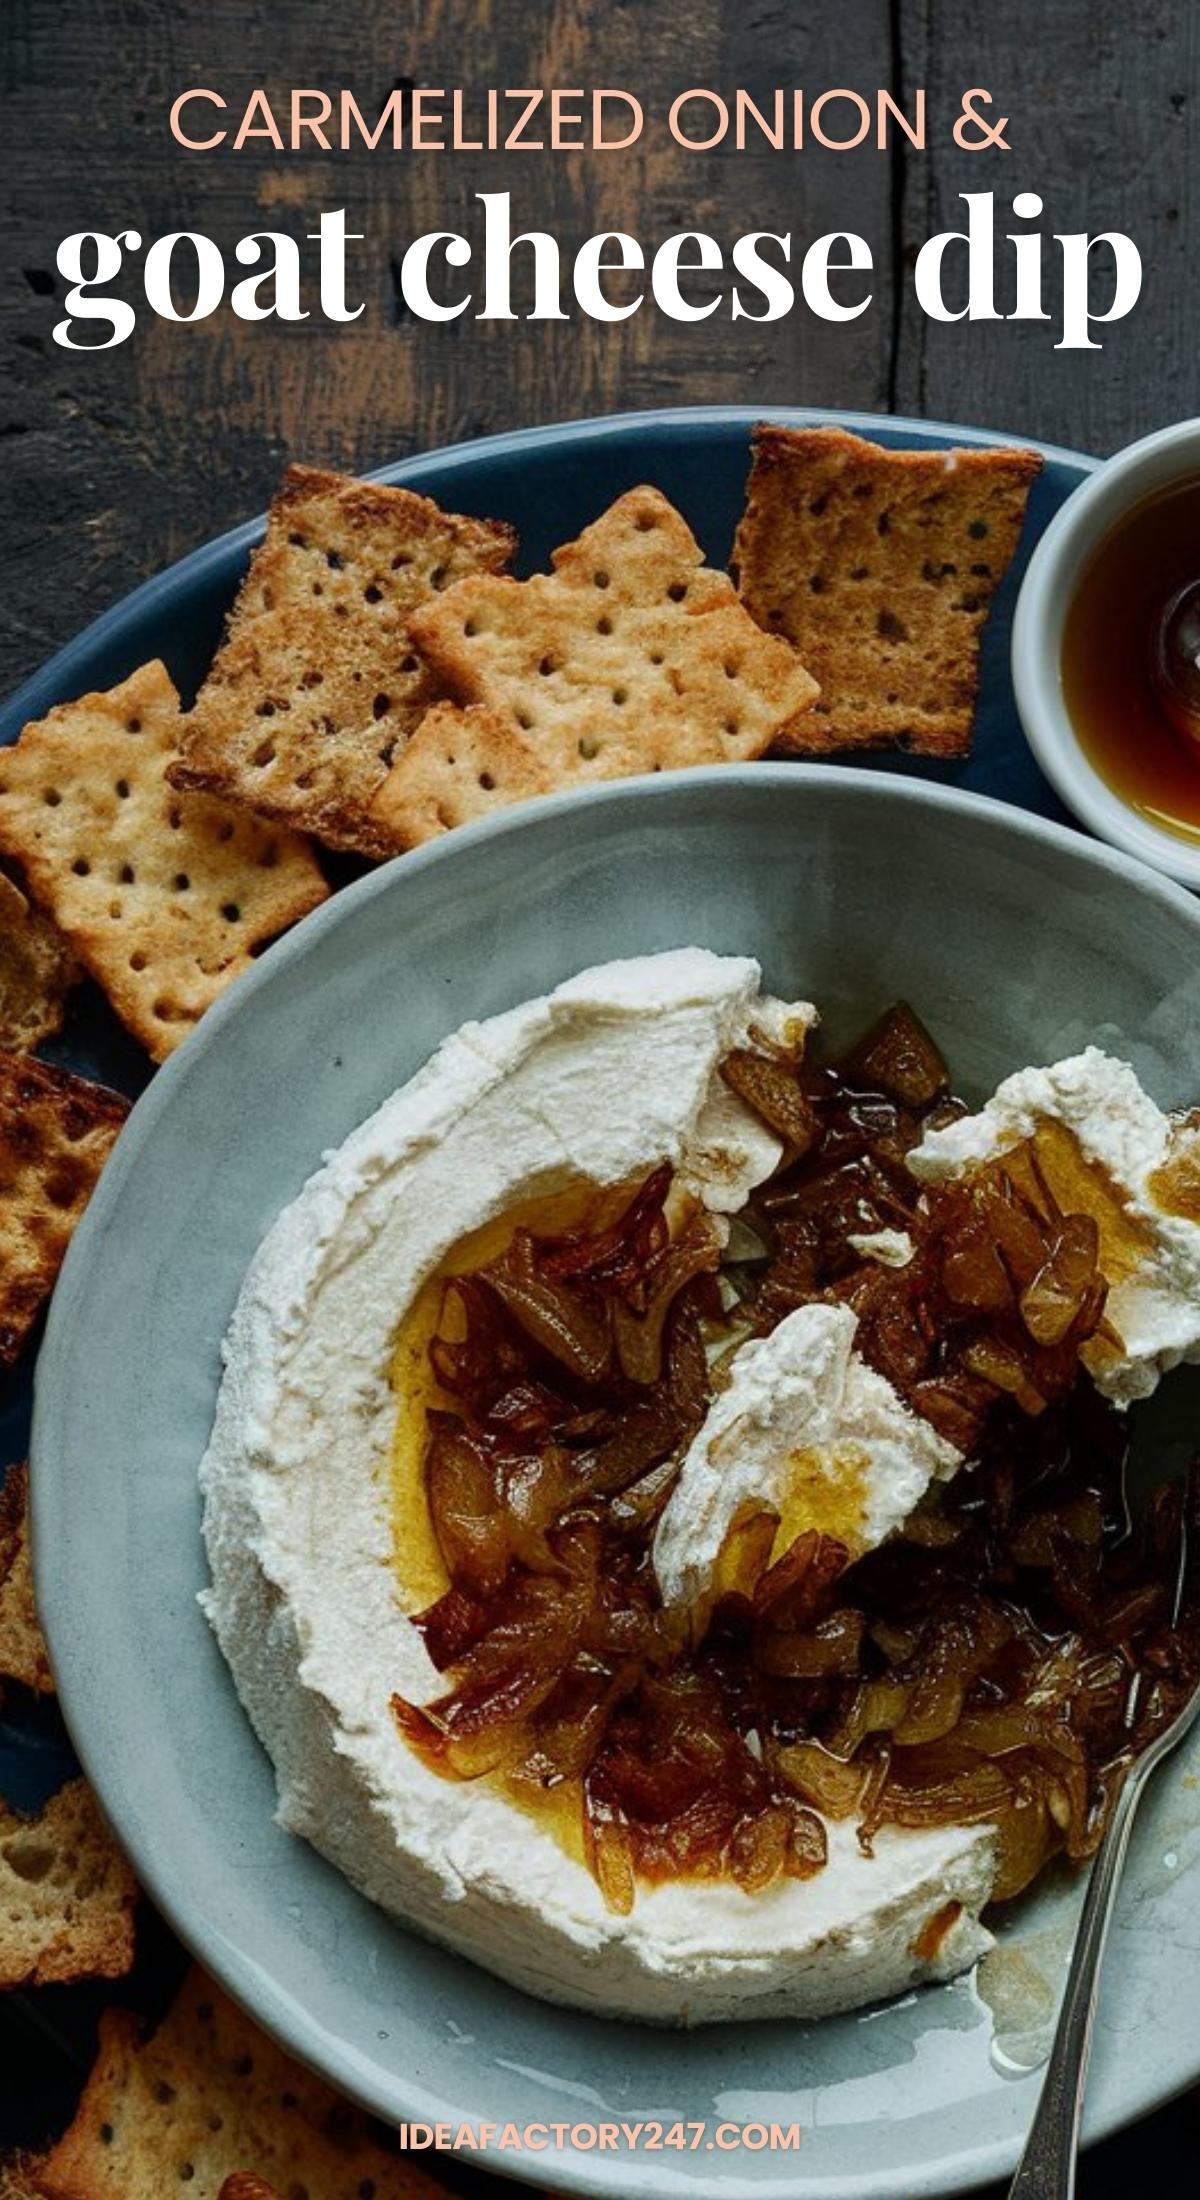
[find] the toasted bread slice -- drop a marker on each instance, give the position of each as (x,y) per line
(23,1655)
(165,897)
(879,567)
(56,1132)
(67,1896)
(37,971)
(458,766)
(318,685)
(631,656)
(206,2096)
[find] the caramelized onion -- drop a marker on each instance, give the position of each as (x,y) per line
(1000,1662)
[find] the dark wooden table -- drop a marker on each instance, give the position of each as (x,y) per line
(115,464)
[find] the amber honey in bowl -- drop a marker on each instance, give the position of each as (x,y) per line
(1113,630)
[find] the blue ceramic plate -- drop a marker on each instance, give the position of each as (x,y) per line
(1018,939)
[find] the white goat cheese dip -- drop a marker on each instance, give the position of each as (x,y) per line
(611,1074)
(1121,1131)
(804,1429)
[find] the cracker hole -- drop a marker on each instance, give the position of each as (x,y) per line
(400,560)
(620,696)
(333,560)
(656,657)
(298,541)
(546,667)
(409,664)
(977,529)
(890,628)
(646,523)
(600,580)
(175,820)
(372,594)
(181,882)
(437,578)
(816,582)
(884,522)
(126,875)
(81,867)
(133,725)
(122,790)
(732,728)
(817,505)
(264,754)
(265,710)
(114,910)
(588,747)
(317,589)
(313,679)
(487,782)
(381,705)
(524,720)
(51,797)
(604,626)
(224,831)
(982,572)
(231,911)
(162,1012)
(860,573)
(470,629)
(677,591)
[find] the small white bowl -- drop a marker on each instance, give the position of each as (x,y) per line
(1046,593)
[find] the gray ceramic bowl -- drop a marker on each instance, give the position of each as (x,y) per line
(1018,941)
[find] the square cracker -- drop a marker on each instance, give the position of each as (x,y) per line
(631,656)
(23,1655)
(37,971)
(67,1896)
(207,2097)
(459,765)
(879,566)
(317,684)
(56,1131)
(165,897)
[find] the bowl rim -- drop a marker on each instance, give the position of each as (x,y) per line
(235,1966)
(1115,488)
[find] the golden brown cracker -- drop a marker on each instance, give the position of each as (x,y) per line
(37,971)
(631,656)
(56,1131)
(164,896)
(879,566)
(318,685)
(67,1896)
(206,2095)
(23,1655)
(458,766)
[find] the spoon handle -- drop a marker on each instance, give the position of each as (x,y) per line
(1047,2166)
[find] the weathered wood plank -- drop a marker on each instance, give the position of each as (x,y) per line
(1102,97)
(117,463)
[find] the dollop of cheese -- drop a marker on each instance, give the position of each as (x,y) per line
(1103,1146)
(806,1430)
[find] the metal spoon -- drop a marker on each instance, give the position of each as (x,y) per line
(1175,661)
(1047,2167)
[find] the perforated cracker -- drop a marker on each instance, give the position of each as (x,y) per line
(67,1896)
(632,656)
(203,2101)
(880,567)
(458,766)
(318,684)
(37,971)
(164,896)
(23,1655)
(56,1132)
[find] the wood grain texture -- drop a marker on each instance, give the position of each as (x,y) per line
(1104,104)
(117,463)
